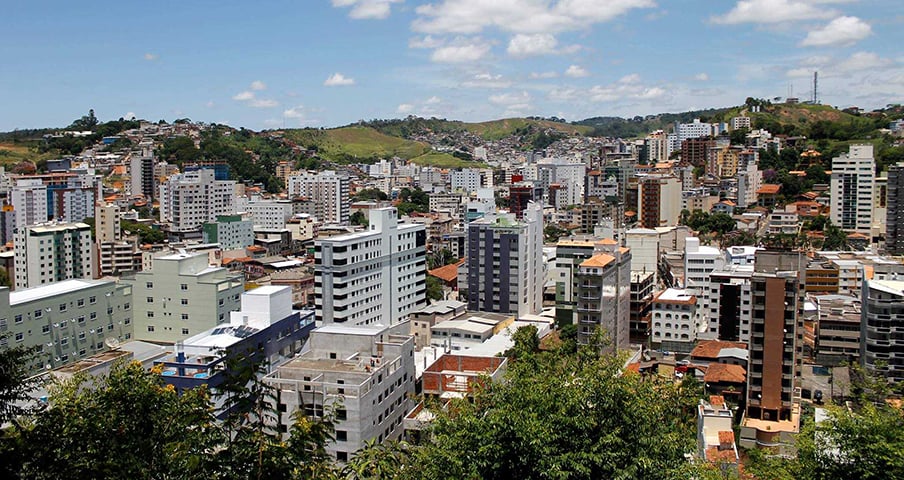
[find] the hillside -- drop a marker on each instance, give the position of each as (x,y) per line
(499,129)
(490,130)
(355,144)
(13,153)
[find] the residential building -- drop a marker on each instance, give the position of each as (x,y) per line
(182,295)
(881,348)
(699,263)
(270,214)
(894,218)
(451,203)
(738,123)
(75,201)
(505,263)
(603,285)
(114,256)
(728,300)
(142,180)
(772,414)
(837,329)
(659,200)
(7,223)
(641,306)
(645,249)
(29,200)
(424,319)
(750,178)
(189,200)
(51,252)
(695,129)
(375,277)
(569,254)
(465,180)
(715,433)
(328,190)
(366,373)
(107,223)
(852,189)
(695,151)
(674,313)
(265,330)
(563,179)
(783,222)
(231,232)
(65,321)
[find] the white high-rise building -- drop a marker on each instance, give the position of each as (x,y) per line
(505,263)
(51,252)
(852,189)
(375,277)
(329,192)
(29,200)
(695,129)
(107,223)
(190,199)
(76,202)
(568,175)
(750,178)
(270,215)
(466,180)
(699,263)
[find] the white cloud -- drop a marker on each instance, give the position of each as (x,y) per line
(434,100)
(522,45)
(294,112)
(576,71)
(519,16)
(702,77)
(427,41)
(405,108)
(510,98)
(776,11)
(858,62)
(631,79)
(258,85)
(861,61)
(367,9)
(263,103)
(151,56)
(462,51)
(843,31)
(538,75)
(243,96)
(337,79)
(628,88)
(486,80)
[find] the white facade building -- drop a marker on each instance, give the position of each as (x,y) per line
(673,315)
(29,201)
(699,263)
(52,252)
(695,129)
(852,189)
(328,190)
(189,200)
(375,277)
(270,215)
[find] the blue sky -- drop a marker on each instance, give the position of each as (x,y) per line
(270,64)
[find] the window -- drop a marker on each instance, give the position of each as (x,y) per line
(92,315)
(149,284)
(45,328)
(150,328)
(184,331)
(126,306)
(109,327)
(343,456)
(92,300)
(184,301)
(81,335)
(150,299)
(64,341)
(62,307)
(150,314)
(184,287)
(18,318)
(80,302)
(184,316)
(20,336)
(341,436)
(38,314)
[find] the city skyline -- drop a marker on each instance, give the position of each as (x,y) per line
(329,63)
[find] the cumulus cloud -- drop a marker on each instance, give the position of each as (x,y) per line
(129,115)
(629,87)
(522,45)
(405,108)
(576,71)
(776,11)
(843,31)
(263,103)
(519,16)
(510,98)
(858,62)
(540,75)
(367,9)
(427,41)
(462,51)
(151,56)
(243,96)
(248,97)
(434,100)
(338,80)
(258,85)
(701,77)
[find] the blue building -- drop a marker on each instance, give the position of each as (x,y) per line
(266,330)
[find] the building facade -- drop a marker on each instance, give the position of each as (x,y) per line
(894,217)
(52,252)
(852,189)
(882,310)
(190,199)
(328,190)
(603,287)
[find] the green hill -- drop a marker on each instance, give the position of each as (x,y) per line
(490,130)
(355,144)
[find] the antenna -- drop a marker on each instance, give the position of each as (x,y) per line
(815,85)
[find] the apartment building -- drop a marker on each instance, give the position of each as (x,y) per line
(375,277)
(270,214)
(674,313)
(729,304)
(894,217)
(699,263)
(29,200)
(641,306)
(51,252)
(505,263)
(65,321)
(328,190)
(181,295)
(569,255)
(851,189)
(603,294)
(231,232)
(189,200)
(659,200)
(772,415)
(838,329)
(366,373)
(881,347)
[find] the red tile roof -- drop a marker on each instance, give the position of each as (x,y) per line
(447,273)
(769,189)
(710,348)
(723,372)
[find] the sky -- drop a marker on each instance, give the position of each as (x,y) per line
(312,63)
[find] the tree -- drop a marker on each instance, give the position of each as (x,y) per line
(816,174)
(434,288)
(358,218)
(87,122)
(14,378)
(4,278)
(836,239)
(370,194)
(552,233)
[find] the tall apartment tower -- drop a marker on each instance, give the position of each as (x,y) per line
(603,284)
(894,219)
(328,190)
(505,263)
(141,173)
(882,311)
(107,223)
(189,200)
(376,277)
(852,189)
(658,200)
(51,252)
(775,349)
(29,200)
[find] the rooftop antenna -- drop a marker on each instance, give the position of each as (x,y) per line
(815,85)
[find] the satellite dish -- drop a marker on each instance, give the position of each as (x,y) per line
(111,342)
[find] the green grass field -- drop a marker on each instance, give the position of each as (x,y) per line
(445,160)
(11,154)
(347,144)
(498,129)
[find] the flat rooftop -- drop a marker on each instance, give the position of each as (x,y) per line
(26,295)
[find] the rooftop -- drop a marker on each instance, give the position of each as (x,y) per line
(600,260)
(675,295)
(723,372)
(58,288)
(710,349)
